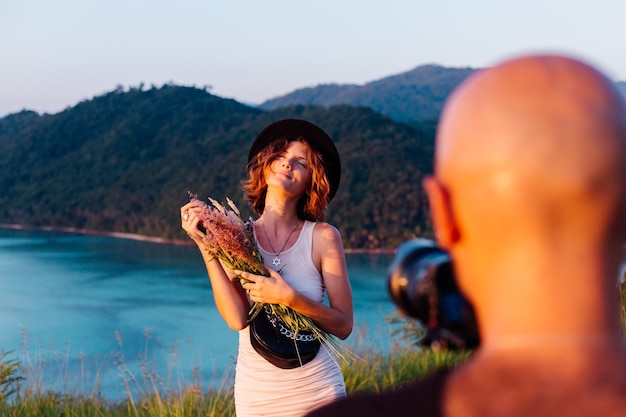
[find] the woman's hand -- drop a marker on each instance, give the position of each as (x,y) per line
(230,300)
(189,214)
(271,290)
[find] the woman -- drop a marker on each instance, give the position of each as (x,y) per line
(293,173)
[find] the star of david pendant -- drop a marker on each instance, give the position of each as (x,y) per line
(276,261)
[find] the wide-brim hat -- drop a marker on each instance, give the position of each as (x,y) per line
(315,137)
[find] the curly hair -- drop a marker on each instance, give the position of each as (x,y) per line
(313,202)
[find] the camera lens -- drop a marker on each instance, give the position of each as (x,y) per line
(413,274)
(422,284)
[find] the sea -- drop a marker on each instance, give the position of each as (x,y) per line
(116,318)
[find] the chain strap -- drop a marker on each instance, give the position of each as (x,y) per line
(298,337)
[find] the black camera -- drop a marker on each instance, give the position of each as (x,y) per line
(422,284)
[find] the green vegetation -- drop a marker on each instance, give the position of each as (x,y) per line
(9,377)
(188,403)
(125,160)
(379,373)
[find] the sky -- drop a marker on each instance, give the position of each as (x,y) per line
(54,54)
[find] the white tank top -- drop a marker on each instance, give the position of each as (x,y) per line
(262,389)
(296,265)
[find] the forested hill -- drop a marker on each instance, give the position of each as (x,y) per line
(414,95)
(124,161)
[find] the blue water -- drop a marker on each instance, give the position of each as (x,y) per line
(106,316)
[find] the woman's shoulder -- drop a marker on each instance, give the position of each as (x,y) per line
(325,231)
(323,227)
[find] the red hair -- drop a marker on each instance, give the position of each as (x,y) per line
(312,203)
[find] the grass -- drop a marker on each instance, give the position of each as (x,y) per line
(378,373)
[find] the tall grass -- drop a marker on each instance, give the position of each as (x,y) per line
(378,373)
(9,378)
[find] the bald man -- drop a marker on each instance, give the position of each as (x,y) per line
(529,198)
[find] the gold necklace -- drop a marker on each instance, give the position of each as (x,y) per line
(276,260)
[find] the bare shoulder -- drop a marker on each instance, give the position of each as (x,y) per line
(326,236)
(327,242)
(325,231)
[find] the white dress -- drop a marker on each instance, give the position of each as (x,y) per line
(262,389)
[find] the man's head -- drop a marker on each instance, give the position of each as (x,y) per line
(530,172)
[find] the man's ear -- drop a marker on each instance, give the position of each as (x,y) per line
(445,225)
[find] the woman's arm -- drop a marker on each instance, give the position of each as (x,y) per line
(338,319)
(230,298)
(329,258)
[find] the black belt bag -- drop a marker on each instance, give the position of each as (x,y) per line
(278,344)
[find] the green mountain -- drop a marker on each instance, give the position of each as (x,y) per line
(124,161)
(414,95)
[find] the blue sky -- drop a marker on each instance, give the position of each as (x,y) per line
(54,54)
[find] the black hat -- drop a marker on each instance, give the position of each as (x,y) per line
(315,137)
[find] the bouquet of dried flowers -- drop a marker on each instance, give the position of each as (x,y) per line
(228,238)
(231,240)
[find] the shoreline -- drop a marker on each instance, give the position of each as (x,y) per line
(78,231)
(151,239)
